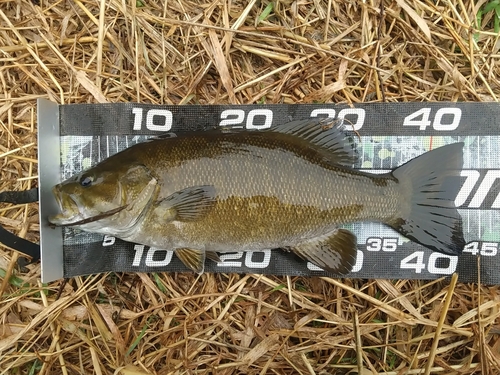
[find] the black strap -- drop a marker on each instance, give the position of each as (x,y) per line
(19,197)
(11,240)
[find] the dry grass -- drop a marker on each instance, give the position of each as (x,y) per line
(185,52)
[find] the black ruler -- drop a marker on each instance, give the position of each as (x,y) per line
(391,134)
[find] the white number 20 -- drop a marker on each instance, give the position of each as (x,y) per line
(235,117)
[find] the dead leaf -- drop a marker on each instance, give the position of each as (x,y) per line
(415,17)
(221,65)
(325,93)
(90,86)
(262,348)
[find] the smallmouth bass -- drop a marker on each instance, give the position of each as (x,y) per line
(289,187)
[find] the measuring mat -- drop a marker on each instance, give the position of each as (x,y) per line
(75,137)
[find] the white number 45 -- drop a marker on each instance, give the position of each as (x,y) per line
(486,249)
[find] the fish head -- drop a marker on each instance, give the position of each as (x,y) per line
(109,195)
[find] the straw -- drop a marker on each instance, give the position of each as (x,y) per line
(193,52)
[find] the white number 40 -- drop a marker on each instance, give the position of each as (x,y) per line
(421,118)
(416,262)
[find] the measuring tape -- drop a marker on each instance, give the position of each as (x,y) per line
(74,137)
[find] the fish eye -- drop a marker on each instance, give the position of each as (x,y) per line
(86,181)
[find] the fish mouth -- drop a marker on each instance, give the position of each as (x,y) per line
(67,206)
(71,214)
(94,218)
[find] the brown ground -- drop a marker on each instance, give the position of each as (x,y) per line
(186,52)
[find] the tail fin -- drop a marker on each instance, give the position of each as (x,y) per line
(429,216)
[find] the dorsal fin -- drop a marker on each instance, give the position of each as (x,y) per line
(325,133)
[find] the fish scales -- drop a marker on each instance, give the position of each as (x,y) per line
(259,203)
(289,187)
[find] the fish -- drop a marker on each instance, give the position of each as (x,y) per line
(290,187)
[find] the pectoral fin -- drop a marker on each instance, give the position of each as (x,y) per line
(193,259)
(334,253)
(189,204)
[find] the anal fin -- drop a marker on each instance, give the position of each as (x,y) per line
(335,253)
(193,259)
